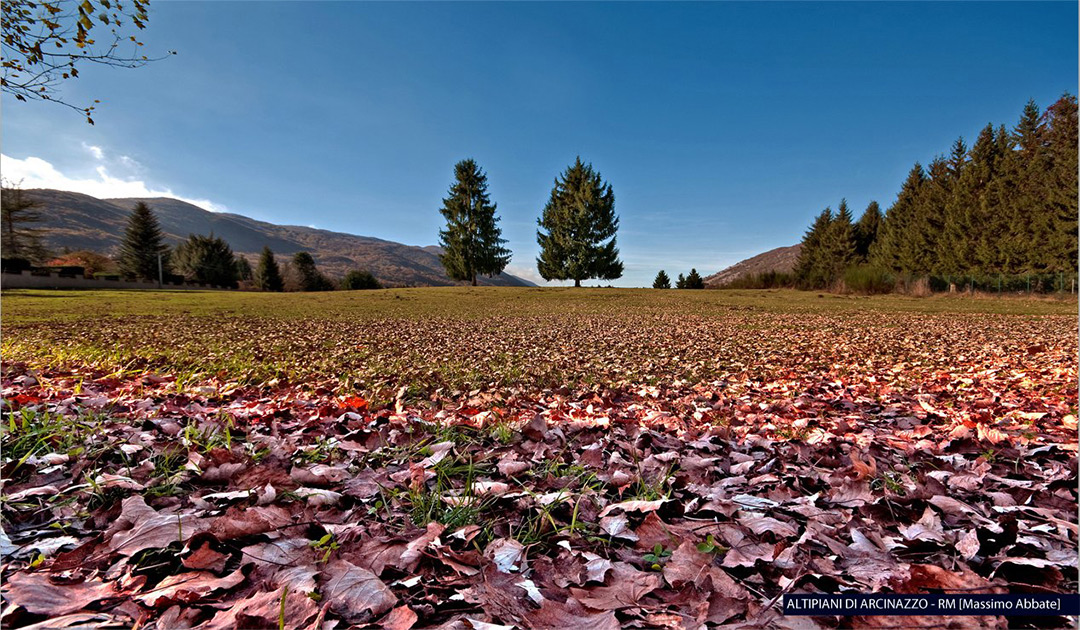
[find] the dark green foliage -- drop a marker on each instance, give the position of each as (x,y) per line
(1002,214)
(839,246)
(206,259)
(472,241)
(143,243)
(243,269)
(866,231)
(662,281)
(267,273)
(868,280)
(18,237)
(576,224)
(811,268)
(308,274)
(359,279)
(1060,129)
(763,280)
(693,280)
(680,283)
(895,247)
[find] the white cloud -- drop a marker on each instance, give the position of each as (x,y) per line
(94,151)
(35,172)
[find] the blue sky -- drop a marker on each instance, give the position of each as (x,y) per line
(723,127)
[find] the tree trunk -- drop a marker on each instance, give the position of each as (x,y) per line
(577,282)
(474,280)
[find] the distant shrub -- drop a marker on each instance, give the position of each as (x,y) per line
(868,280)
(359,279)
(763,280)
(92,262)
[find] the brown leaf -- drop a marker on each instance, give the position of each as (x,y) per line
(968,544)
(354,592)
(507,554)
(633,506)
(188,587)
(863,469)
(553,615)
(627,587)
(141,527)
(37,594)
(240,522)
(687,565)
(205,558)
(400,618)
(415,549)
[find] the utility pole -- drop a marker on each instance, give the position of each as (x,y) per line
(160,275)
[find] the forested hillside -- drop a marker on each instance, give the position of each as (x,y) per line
(1002,212)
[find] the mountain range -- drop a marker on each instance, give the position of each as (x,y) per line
(76,221)
(781,259)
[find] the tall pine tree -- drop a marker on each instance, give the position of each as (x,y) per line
(811,266)
(866,231)
(920,247)
(576,224)
(472,242)
(308,275)
(662,281)
(1060,121)
(694,280)
(839,246)
(143,243)
(892,248)
(267,273)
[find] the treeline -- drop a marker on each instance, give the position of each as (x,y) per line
(143,254)
(208,259)
(1003,210)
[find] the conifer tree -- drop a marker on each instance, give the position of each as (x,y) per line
(957,158)
(810,267)
(576,224)
(839,246)
(891,250)
(967,211)
(143,243)
(662,281)
(267,273)
(866,231)
(243,269)
(694,280)
(919,252)
(472,241)
(206,259)
(995,252)
(310,279)
(1060,122)
(680,283)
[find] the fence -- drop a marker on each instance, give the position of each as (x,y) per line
(1044,283)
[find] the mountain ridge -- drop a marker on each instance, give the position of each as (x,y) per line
(77,221)
(781,259)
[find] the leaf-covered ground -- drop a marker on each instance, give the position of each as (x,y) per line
(529,459)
